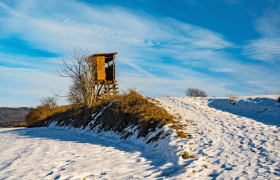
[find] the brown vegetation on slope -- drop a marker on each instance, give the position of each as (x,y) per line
(127,109)
(41,112)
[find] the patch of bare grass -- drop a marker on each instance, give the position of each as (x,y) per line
(176,127)
(182,134)
(186,155)
(21,124)
(179,127)
(180,153)
(205,166)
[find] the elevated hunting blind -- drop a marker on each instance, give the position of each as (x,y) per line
(105,71)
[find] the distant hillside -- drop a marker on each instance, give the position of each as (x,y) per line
(10,116)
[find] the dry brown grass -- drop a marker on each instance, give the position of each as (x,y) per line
(21,124)
(182,134)
(180,153)
(130,109)
(205,166)
(186,155)
(178,127)
(41,112)
(133,109)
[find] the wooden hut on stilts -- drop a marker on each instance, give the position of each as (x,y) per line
(105,72)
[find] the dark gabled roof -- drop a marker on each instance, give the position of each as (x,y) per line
(105,54)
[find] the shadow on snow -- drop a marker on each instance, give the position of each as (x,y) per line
(264,110)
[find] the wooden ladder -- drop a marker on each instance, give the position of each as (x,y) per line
(110,88)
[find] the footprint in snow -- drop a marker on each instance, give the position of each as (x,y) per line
(50,174)
(138,160)
(103,173)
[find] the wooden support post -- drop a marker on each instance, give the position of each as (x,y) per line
(97,89)
(114,68)
(107,90)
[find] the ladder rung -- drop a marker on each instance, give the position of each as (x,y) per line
(110,84)
(111,87)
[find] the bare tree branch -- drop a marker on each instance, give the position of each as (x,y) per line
(83,91)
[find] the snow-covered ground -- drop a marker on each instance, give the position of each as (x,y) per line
(238,139)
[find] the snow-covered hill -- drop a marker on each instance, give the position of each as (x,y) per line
(231,139)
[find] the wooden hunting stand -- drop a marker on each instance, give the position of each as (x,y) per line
(105,72)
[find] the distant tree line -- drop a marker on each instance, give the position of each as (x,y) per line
(193,92)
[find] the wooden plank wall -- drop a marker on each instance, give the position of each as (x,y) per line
(101,75)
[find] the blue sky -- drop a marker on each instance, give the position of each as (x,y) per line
(229,47)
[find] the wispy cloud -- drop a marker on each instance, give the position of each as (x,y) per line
(19,77)
(153,52)
(263,49)
(266,48)
(31,83)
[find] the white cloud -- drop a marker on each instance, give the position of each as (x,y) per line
(140,39)
(139,69)
(13,60)
(267,48)
(263,49)
(115,27)
(227,70)
(269,24)
(31,82)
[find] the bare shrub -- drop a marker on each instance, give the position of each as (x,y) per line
(193,92)
(83,92)
(49,102)
(47,108)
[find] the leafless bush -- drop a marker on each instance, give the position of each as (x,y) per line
(83,91)
(47,108)
(193,92)
(49,102)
